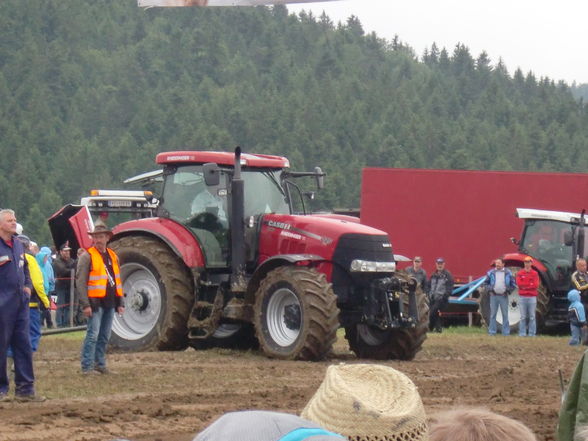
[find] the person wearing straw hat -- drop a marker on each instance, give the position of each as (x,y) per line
(100,293)
(355,402)
(368,402)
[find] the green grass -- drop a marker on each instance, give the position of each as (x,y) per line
(463,330)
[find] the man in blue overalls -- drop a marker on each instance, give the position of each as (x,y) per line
(15,291)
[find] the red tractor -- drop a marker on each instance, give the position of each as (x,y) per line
(555,240)
(230,258)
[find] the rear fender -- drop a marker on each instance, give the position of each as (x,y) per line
(274,262)
(175,235)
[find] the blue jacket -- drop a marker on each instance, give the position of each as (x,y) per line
(44,260)
(576,312)
(509,279)
(14,270)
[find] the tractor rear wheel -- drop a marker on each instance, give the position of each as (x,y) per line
(296,314)
(394,344)
(158,297)
(514,313)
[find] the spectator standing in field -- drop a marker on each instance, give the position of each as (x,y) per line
(527,280)
(577,317)
(15,292)
(100,294)
(44,260)
(499,283)
(62,266)
(439,289)
(580,280)
(417,271)
(473,424)
(38,295)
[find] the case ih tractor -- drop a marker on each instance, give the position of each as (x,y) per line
(228,260)
(554,240)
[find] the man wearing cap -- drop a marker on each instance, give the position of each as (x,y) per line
(100,291)
(440,287)
(528,281)
(417,271)
(15,292)
(62,267)
(499,283)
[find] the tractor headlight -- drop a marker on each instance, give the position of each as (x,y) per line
(366,266)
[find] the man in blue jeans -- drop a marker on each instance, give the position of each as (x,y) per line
(100,293)
(528,282)
(500,283)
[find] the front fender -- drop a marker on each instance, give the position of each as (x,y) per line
(175,235)
(276,261)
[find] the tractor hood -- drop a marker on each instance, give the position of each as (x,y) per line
(71,224)
(316,235)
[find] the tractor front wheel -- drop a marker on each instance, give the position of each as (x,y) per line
(296,314)
(158,297)
(394,344)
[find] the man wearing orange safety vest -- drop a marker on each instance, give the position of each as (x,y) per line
(100,292)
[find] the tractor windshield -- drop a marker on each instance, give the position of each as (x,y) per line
(544,240)
(203,209)
(263,193)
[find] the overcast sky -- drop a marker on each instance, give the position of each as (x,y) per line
(549,38)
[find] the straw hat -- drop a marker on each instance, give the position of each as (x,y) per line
(368,402)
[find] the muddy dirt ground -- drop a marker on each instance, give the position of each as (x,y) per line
(171,396)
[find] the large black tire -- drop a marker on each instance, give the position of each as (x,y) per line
(395,344)
(158,297)
(296,314)
(230,336)
(514,314)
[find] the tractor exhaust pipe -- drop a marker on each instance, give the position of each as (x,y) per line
(238,282)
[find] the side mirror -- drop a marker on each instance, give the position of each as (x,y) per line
(309,195)
(568,238)
(320,178)
(211,173)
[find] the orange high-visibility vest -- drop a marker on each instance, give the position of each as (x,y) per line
(98,278)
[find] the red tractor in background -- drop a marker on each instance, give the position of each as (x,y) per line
(231,258)
(554,239)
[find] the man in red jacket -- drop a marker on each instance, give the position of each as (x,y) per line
(528,282)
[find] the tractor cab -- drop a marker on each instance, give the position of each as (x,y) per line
(556,239)
(197,194)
